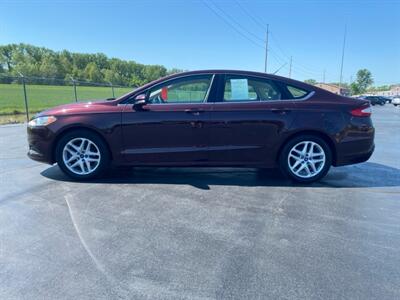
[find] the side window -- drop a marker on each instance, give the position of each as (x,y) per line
(296,92)
(241,88)
(191,89)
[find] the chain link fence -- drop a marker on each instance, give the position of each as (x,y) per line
(26,95)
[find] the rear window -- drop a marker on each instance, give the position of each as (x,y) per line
(247,88)
(296,92)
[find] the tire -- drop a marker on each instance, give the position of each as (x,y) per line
(300,169)
(71,156)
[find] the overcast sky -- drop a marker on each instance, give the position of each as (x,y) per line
(219,34)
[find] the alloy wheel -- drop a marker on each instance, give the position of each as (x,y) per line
(81,156)
(306,159)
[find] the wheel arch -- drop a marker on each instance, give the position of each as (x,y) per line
(317,133)
(75,128)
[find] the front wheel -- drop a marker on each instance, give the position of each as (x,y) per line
(305,159)
(82,154)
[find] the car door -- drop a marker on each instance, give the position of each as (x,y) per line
(248,120)
(169,129)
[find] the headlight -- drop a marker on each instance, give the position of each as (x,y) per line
(42,121)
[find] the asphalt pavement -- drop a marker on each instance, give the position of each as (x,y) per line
(158,233)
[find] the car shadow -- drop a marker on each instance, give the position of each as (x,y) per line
(356,176)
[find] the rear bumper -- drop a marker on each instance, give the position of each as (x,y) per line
(40,144)
(356,158)
(356,144)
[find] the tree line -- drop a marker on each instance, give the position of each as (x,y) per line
(61,66)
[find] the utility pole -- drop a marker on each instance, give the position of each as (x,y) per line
(290,68)
(323,76)
(341,65)
(266,50)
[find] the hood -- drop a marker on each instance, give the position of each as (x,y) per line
(97,106)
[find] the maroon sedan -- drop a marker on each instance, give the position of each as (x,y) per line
(208,118)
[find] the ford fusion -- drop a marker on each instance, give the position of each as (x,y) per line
(208,118)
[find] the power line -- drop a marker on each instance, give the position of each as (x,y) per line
(238,24)
(232,26)
(254,39)
(255,20)
(305,67)
(281,67)
(259,23)
(295,69)
(298,69)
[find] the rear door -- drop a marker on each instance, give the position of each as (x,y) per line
(169,130)
(248,120)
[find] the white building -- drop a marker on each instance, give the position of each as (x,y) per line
(394,91)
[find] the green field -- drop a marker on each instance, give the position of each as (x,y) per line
(41,97)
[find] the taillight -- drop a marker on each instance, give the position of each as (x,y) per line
(363,111)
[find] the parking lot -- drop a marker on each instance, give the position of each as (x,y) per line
(189,233)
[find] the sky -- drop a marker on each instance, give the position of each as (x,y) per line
(208,34)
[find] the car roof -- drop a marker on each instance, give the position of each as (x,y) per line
(237,72)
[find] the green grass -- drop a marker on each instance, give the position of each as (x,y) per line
(41,97)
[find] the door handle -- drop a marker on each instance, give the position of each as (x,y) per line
(193,111)
(281,111)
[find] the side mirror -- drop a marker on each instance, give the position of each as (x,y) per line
(140,101)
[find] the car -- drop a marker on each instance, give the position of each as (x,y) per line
(375,100)
(212,118)
(385,99)
(396,100)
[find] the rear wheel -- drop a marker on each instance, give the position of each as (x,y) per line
(82,154)
(305,159)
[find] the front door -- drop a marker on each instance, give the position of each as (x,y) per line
(169,129)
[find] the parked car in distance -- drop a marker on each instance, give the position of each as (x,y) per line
(386,99)
(396,100)
(208,118)
(375,100)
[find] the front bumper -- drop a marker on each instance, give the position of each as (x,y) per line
(40,141)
